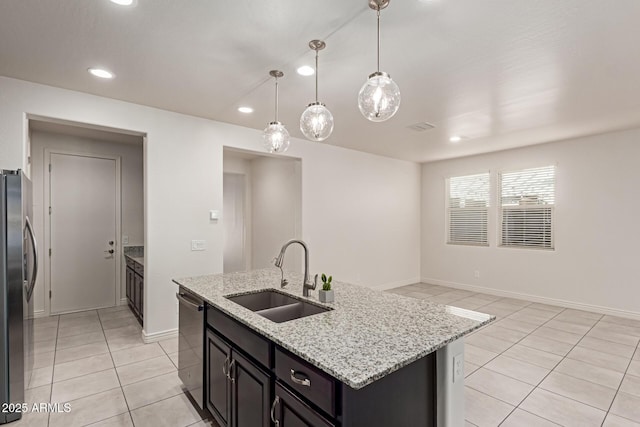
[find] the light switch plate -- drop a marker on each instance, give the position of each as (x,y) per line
(198,245)
(214,215)
(125,240)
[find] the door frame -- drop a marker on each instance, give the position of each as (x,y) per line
(46,194)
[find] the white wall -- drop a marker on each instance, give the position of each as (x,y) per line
(360,212)
(276,202)
(131,191)
(596,263)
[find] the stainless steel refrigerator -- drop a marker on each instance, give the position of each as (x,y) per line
(18,270)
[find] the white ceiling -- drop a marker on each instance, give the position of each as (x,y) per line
(502,73)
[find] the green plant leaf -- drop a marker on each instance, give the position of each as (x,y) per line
(324,277)
(330,279)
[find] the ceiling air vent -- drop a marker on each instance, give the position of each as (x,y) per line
(421,127)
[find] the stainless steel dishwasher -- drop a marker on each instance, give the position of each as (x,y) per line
(191,344)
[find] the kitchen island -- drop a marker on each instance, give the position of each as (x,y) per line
(372,351)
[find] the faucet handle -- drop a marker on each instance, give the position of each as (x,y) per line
(283,283)
(315,282)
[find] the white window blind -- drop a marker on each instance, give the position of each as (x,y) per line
(527,199)
(467,209)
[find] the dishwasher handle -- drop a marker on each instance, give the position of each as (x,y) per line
(194,306)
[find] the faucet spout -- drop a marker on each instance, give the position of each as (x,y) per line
(306,284)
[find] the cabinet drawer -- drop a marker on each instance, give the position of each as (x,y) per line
(307,380)
(242,337)
(139,269)
(290,410)
(130,263)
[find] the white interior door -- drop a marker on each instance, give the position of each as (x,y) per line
(233,219)
(83,230)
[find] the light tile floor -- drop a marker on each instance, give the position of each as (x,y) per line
(537,365)
(96,360)
(542,365)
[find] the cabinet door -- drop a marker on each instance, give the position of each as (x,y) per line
(130,280)
(136,293)
(251,392)
(290,411)
(140,284)
(218,389)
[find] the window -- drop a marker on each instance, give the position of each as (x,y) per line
(527,199)
(467,209)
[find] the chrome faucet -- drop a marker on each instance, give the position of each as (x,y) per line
(306,283)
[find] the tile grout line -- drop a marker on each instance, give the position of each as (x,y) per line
(620,385)
(597,321)
(540,382)
(53,370)
(552,370)
(116,371)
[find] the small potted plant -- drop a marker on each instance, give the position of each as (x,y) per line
(326,294)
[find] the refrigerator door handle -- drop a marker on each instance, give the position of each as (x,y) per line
(32,237)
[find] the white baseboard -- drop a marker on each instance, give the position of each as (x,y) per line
(535,298)
(159,336)
(385,286)
(123,301)
(39,313)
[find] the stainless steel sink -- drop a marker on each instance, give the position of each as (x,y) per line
(276,306)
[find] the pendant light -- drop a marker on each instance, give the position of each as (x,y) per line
(379,98)
(316,122)
(276,136)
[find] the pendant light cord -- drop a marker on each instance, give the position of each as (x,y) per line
(378,39)
(316,75)
(276,99)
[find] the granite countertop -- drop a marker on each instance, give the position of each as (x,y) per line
(135,253)
(366,336)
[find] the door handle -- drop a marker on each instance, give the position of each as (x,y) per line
(110,251)
(35,258)
(110,242)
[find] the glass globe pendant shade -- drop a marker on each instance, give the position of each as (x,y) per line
(316,122)
(276,138)
(379,98)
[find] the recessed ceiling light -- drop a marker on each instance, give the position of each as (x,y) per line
(102,73)
(455,138)
(123,2)
(245,110)
(306,70)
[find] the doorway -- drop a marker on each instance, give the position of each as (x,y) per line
(262,209)
(84,195)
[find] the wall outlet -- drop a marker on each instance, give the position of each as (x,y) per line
(458,367)
(125,240)
(198,245)
(476,274)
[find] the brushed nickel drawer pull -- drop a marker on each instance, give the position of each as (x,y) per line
(232,371)
(225,370)
(273,411)
(305,381)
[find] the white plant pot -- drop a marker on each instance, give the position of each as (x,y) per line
(326,296)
